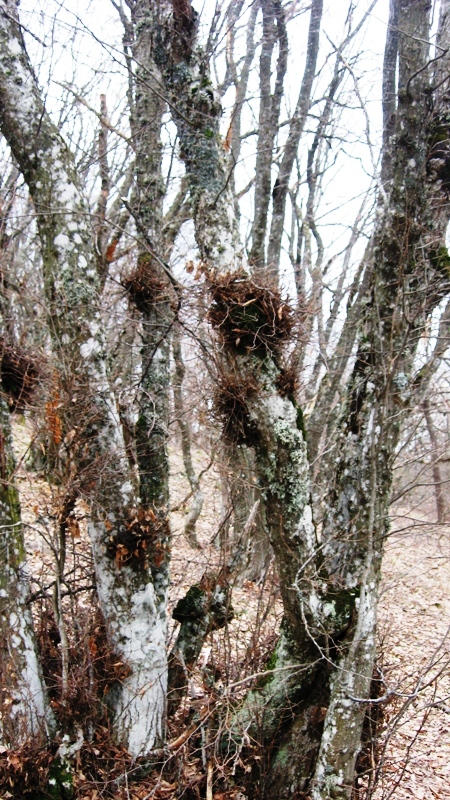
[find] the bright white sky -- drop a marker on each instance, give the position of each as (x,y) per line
(84,49)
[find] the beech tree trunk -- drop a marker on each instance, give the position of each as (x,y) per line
(152,293)
(185,431)
(126,590)
(272,422)
(406,274)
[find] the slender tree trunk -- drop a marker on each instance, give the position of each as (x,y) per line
(436,470)
(274,30)
(197,500)
(281,188)
(152,293)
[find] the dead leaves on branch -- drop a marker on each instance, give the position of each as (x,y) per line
(231,403)
(145,287)
(20,373)
(247,316)
(288,382)
(143,539)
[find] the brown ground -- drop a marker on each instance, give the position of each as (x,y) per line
(414,634)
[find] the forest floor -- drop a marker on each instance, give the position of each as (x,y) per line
(413,628)
(414,640)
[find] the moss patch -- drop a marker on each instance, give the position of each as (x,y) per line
(270,665)
(192,606)
(440,260)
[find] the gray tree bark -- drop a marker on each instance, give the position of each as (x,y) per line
(197,501)
(274,30)
(408,276)
(151,290)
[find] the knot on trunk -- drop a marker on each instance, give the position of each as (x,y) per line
(205,607)
(206,600)
(328,611)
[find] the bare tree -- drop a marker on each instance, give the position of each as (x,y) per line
(306,401)
(25,710)
(329,585)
